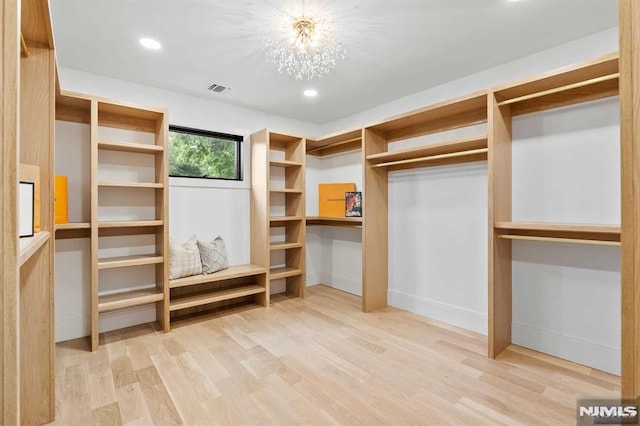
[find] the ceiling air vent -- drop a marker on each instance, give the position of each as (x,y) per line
(218,88)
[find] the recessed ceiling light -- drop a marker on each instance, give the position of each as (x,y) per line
(311,93)
(150,43)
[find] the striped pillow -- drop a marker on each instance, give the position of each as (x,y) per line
(184,259)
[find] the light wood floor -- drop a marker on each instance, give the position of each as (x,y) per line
(315,361)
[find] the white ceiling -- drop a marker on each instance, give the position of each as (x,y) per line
(394,48)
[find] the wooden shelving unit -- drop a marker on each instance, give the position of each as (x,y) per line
(337,143)
(285,154)
(378,160)
(129,299)
(30,246)
(559,232)
(440,154)
(284,163)
(334,221)
(145,121)
(208,297)
(284,272)
(231,273)
(285,246)
(128,261)
(27,58)
(130,147)
(571,85)
(203,293)
(148,185)
(72,226)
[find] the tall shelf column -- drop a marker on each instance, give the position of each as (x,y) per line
(630,234)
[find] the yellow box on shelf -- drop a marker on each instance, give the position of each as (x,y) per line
(61,206)
(331,198)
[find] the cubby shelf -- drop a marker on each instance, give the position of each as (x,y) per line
(574,84)
(233,272)
(128,261)
(72,226)
(285,191)
(335,221)
(452,152)
(338,143)
(130,224)
(284,163)
(285,246)
(131,185)
(436,118)
(559,232)
(130,147)
(212,296)
(283,272)
(129,299)
(281,220)
(30,246)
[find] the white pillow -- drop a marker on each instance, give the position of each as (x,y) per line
(184,259)
(213,255)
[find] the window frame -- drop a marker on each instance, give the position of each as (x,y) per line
(209,133)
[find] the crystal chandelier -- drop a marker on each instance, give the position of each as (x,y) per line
(304,46)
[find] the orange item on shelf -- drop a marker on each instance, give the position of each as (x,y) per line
(61,205)
(29,173)
(331,198)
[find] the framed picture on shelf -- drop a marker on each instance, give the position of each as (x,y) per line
(353,204)
(25,207)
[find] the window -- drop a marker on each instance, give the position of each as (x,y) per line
(202,154)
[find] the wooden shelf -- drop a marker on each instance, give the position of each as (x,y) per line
(335,221)
(129,299)
(336,144)
(453,114)
(233,272)
(129,117)
(130,147)
(285,246)
(131,185)
(209,296)
(284,163)
(453,152)
(72,226)
(284,272)
(570,85)
(73,108)
(559,232)
(286,191)
(282,220)
(30,245)
(127,261)
(130,224)
(64,231)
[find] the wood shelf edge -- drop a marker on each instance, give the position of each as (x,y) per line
(30,246)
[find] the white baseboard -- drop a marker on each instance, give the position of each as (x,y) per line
(314,279)
(583,352)
(342,283)
(454,315)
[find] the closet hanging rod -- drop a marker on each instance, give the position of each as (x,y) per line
(331,145)
(561,89)
(560,240)
(433,157)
